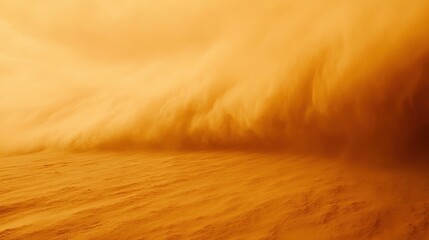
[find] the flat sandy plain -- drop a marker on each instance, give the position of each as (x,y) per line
(207,195)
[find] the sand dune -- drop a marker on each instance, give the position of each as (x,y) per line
(207,195)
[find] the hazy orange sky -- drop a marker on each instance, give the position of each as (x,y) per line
(212,74)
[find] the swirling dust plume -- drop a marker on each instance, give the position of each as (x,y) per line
(310,75)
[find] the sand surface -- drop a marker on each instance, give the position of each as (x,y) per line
(207,195)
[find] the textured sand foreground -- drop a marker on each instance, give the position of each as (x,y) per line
(206,195)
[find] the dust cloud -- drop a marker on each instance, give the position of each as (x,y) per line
(321,75)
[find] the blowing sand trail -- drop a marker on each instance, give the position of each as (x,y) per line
(206,195)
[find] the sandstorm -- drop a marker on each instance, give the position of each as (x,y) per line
(214,119)
(213,74)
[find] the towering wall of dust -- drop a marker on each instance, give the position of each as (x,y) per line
(323,74)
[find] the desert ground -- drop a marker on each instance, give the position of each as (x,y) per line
(208,195)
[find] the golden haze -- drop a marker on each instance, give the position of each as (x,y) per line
(213,74)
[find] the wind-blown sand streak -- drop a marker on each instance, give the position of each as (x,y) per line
(207,195)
